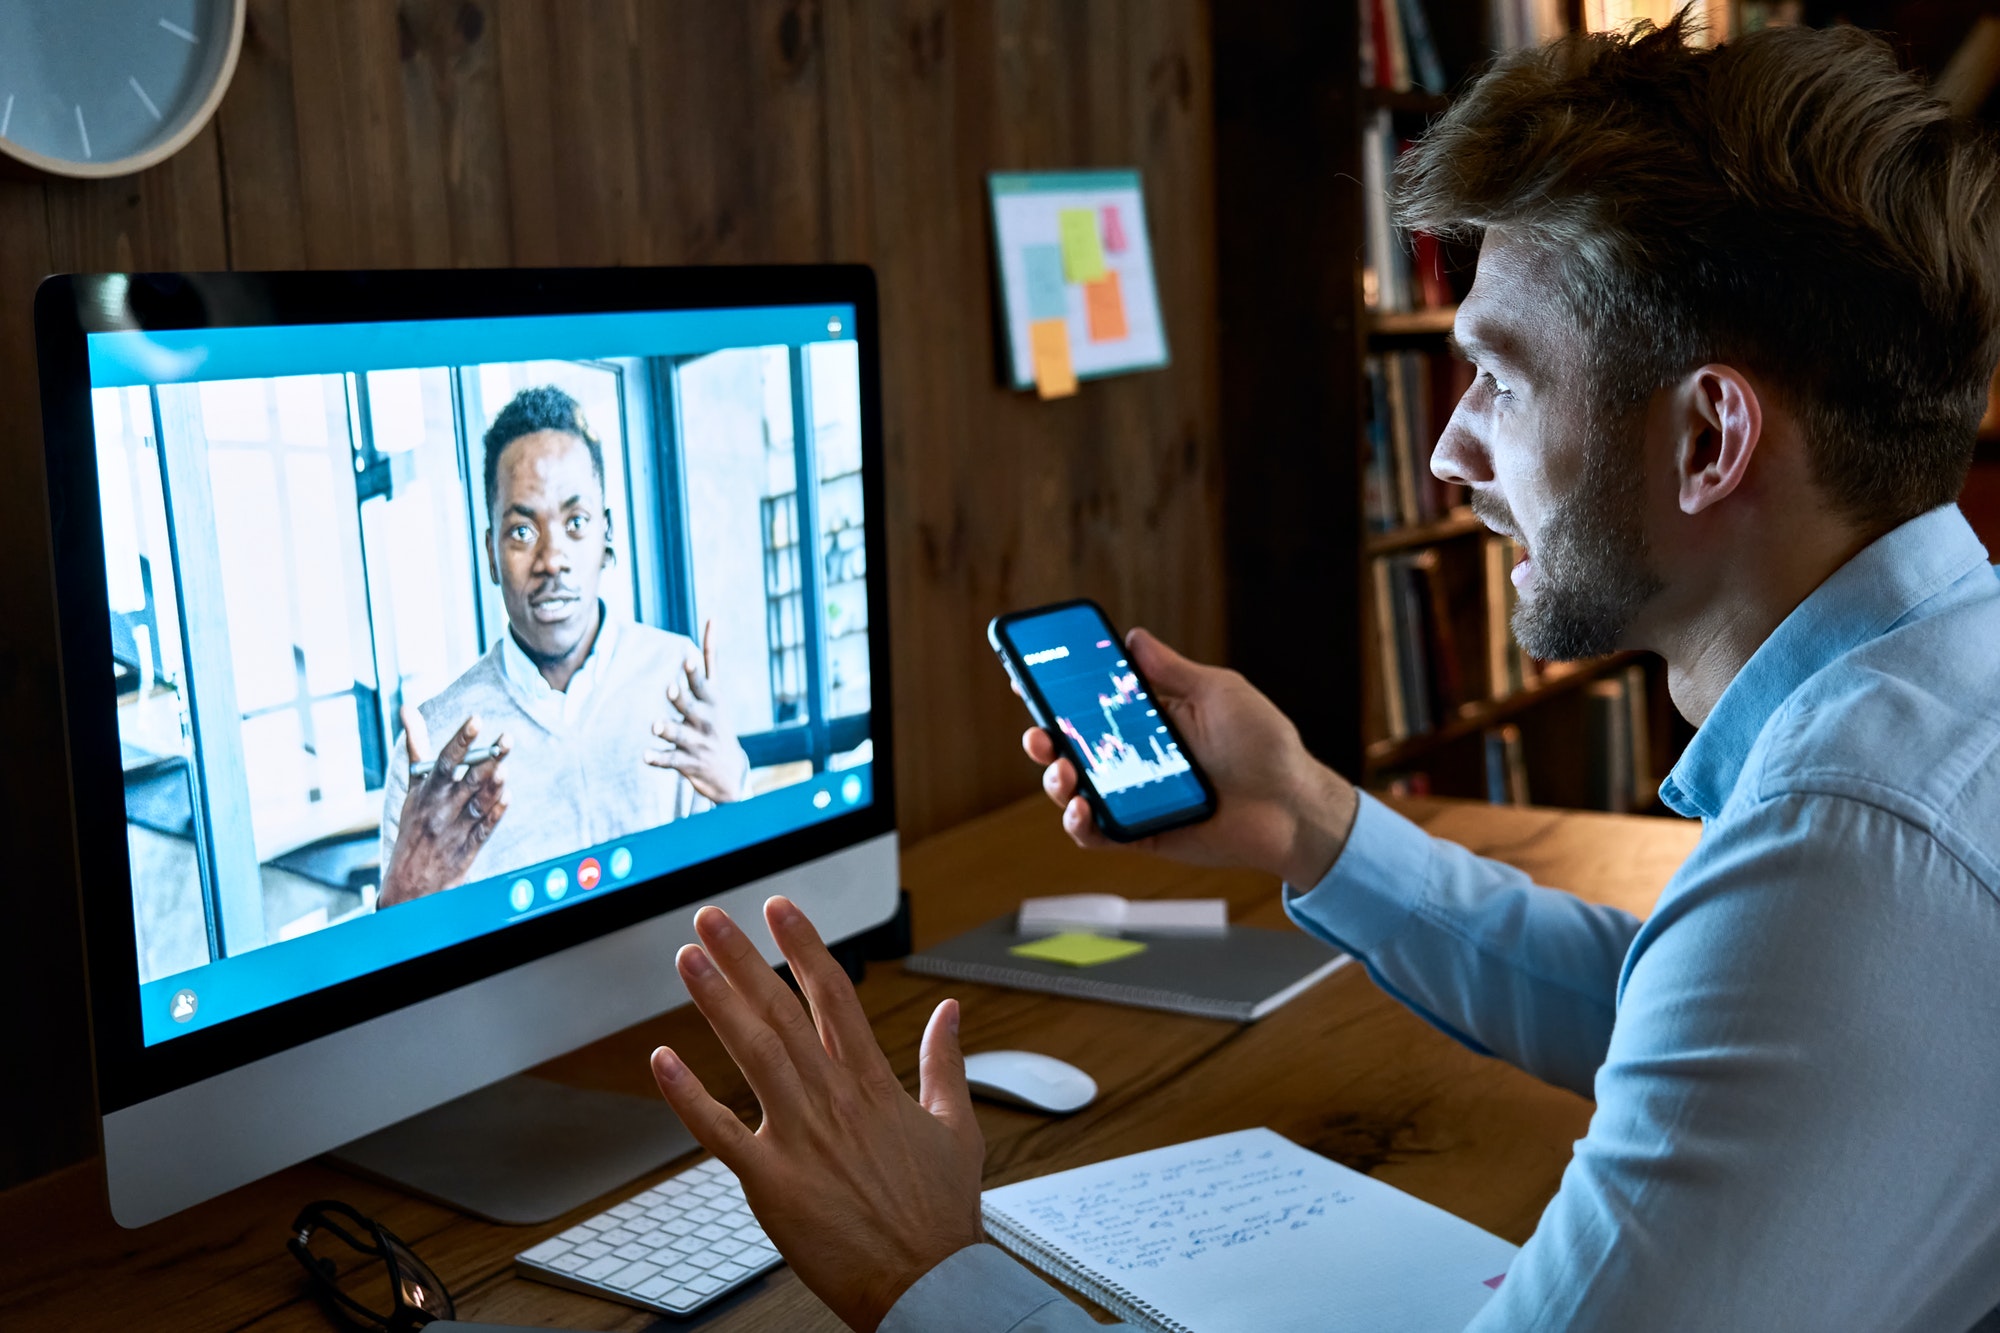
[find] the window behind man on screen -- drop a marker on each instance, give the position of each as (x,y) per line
(574,588)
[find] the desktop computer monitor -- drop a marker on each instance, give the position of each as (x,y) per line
(315,531)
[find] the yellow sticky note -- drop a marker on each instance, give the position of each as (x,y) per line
(1048,344)
(1079,948)
(1105,308)
(1083,249)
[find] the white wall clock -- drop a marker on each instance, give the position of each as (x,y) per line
(108,87)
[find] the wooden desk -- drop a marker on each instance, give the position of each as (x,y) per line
(1343,1069)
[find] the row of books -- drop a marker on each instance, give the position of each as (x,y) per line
(1399,271)
(1511,24)
(1421,615)
(1409,398)
(1618,749)
(1618,760)
(1397,52)
(1618,742)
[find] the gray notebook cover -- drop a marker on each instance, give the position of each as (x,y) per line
(1240,976)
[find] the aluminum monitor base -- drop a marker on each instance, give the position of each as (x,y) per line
(523,1150)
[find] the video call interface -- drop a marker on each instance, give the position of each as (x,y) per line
(423,630)
(1116,730)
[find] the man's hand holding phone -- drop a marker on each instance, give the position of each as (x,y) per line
(1278,809)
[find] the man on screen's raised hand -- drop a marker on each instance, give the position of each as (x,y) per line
(607,727)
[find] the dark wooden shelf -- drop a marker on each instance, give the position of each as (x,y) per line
(1433,322)
(1459,522)
(1423,103)
(1483,713)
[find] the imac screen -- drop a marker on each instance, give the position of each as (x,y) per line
(421,629)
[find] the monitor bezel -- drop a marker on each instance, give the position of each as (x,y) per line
(68,308)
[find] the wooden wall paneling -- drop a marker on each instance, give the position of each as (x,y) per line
(257,130)
(731,133)
(912,52)
(535,205)
(1172,469)
(168,218)
(596,107)
(453,124)
(846,36)
(785,219)
(353,147)
(1287,220)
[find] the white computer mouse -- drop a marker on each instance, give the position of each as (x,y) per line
(1024,1078)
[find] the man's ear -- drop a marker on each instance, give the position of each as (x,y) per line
(492,558)
(610,550)
(1720,422)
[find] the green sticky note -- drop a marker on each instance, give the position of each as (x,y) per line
(1082,250)
(1078,948)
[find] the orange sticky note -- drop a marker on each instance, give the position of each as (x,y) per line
(1048,340)
(1106,308)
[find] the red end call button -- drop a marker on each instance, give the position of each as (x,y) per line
(589,873)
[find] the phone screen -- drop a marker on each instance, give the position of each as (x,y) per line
(1097,699)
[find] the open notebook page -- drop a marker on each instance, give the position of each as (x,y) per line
(1250,1231)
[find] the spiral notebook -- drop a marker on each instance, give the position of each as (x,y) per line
(1249,1231)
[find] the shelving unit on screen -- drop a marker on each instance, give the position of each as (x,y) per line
(1076,277)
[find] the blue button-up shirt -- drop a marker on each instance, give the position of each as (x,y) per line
(1796,1057)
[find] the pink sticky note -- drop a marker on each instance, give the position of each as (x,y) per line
(1114,230)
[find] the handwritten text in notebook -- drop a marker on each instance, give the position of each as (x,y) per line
(1249,1231)
(1235,1196)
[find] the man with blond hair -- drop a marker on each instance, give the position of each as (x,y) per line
(1735,315)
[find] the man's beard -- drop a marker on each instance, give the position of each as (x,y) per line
(1593,573)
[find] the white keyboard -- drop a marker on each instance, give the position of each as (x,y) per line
(673,1248)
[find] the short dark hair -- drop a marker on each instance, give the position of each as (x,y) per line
(1789,202)
(532,410)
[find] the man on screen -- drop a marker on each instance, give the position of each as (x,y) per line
(579,727)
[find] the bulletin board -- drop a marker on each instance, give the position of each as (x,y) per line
(1076,277)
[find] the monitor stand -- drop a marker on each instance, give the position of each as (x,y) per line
(523,1150)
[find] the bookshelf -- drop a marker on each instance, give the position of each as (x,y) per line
(1293,111)
(1308,525)
(1564,728)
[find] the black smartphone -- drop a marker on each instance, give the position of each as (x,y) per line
(1081,689)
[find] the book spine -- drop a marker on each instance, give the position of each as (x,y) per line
(1401,279)
(1499,638)
(1427,69)
(1410,652)
(1379,481)
(1639,732)
(1382,37)
(1394,711)
(1439,638)
(1375,274)
(1369,76)
(1517,765)
(1496,769)
(1409,504)
(1423,435)
(1506,766)
(1397,45)
(1610,751)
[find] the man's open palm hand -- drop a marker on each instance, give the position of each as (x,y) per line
(862,1188)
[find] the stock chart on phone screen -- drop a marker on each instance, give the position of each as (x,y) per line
(1100,705)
